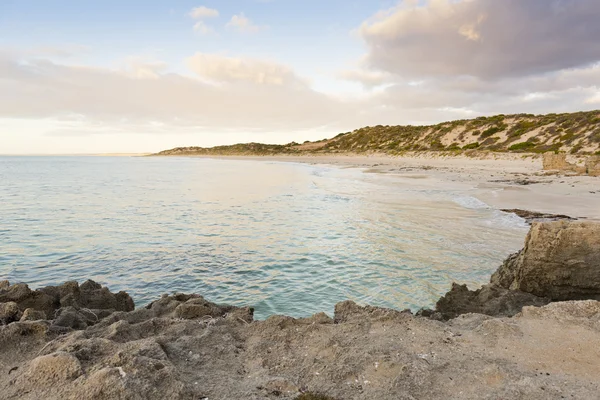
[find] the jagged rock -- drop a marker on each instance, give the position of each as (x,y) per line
(534,216)
(90,298)
(31,314)
(489,300)
(9,312)
(27,298)
(348,310)
(560,260)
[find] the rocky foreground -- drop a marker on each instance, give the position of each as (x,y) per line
(532,333)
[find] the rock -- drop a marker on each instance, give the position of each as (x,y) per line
(56,368)
(533,216)
(94,296)
(556,161)
(70,317)
(489,300)
(592,166)
(565,310)
(9,312)
(91,299)
(31,314)
(350,311)
(26,298)
(560,261)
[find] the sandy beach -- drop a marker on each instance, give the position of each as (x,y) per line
(503,181)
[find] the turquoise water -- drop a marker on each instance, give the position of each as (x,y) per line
(285,238)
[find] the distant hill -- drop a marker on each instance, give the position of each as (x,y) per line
(574,133)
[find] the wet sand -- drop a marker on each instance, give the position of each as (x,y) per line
(503,181)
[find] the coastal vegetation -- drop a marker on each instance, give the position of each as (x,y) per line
(575,133)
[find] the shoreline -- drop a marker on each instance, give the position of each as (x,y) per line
(501,180)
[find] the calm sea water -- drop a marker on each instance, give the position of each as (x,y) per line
(285,238)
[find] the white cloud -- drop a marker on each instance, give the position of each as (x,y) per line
(230,69)
(243,24)
(253,96)
(202,28)
(367,78)
(203,12)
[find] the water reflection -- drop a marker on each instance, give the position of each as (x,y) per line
(285,238)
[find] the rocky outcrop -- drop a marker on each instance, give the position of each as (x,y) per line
(534,216)
(88,301)
(489,300)
(369,353)
(592,166)
(558,162)
(560,261)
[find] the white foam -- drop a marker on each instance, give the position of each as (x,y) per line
(471,203)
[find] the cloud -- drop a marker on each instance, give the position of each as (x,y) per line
(367,78)
(251,96)
(203,12)
(230,69)
(227,95)
(202,28)
(141,68)
(243,24)
(488,39)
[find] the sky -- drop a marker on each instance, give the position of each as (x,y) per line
(143,76)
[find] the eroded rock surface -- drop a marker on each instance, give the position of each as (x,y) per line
(489,300)
(90,297)
(370,353)
(560,260)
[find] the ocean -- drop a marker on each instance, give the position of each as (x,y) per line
(284,238)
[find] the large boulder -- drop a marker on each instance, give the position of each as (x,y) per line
(560,261)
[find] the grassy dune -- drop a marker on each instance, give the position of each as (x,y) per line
(574,133)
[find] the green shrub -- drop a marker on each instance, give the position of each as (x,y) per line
(471,146)
(493,130)
(576,148)
(521,146)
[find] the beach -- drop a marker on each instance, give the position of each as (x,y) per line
(501,180)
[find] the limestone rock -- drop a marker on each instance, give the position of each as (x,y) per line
(348,310)
(31,314)
(560,260)
(53,368)
(558,162)
(592,166)
(9,312)
(489,300)
(27,298)
(91,299)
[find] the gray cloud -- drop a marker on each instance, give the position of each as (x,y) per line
(488,39)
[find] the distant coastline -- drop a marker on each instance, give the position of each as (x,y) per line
(573,133)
